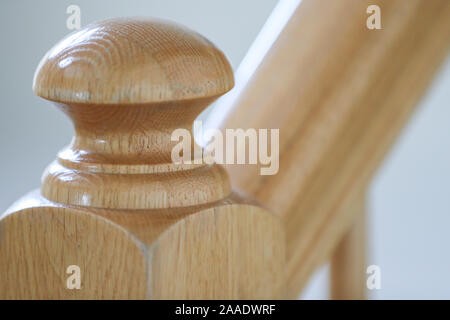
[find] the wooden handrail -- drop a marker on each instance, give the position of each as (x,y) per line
(340,94)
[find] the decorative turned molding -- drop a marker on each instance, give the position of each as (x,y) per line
(113,203)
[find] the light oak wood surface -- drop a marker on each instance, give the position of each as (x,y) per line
(348,277)
(340,94)
(142,227)
(113,203)
(123,60)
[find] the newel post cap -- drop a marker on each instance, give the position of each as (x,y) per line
(132,60)
(127,84)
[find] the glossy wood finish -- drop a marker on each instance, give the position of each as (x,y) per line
(340,94)
(132,61)
(113,203)
(127,84)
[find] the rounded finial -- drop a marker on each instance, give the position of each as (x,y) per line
(132,61)
(127,85)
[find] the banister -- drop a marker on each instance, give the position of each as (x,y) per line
(138,225)
(340,94)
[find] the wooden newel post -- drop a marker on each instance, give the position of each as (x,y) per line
(115,218)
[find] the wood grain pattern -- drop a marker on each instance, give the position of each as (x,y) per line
(127,84)
(136,60)
(113,202)
(227,250)
(142,227)
(340,96)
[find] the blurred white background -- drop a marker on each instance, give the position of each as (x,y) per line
(409,201)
